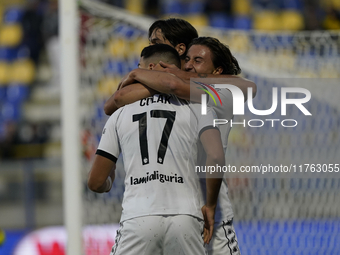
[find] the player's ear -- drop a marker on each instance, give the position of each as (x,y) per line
(181,48)
(218,70)
(151,66)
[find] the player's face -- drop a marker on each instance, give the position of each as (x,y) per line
(157,37)
(199,60)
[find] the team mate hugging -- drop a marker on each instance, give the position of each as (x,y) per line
(163,207)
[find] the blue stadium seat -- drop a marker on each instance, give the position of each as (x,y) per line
(131,32)
(8,54)
(10,111)
(172,7)
(13,15)
(220,20)
(23,52)
(292,5)
(3,91)
(17,93)
(2,133)
(243,22)
(116,67)
(196,7)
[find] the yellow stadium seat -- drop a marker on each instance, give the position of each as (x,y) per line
(1,14)
(136,46)
(197,20)
(108,85)
(135,6)
(291,20)
(239,43)
(22,71)
(4,73)
(331,23)
(118,47)
(241,7)
(266,20)
(10,35)
(336,4)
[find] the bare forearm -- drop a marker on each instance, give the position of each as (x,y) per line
(238,81)
(211,141)
(110,106)
(163,82)
(102,174)
(213,181)
(105,187)
(127,95)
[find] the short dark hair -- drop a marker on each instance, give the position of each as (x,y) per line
(221,54)
(163,51)
(175,31)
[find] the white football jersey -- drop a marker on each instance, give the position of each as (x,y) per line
(224,209)
(158,138)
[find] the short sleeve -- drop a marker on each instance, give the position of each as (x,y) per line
(224,110)
(109,146)
(207,121)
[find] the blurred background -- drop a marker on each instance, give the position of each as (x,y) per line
(286,38)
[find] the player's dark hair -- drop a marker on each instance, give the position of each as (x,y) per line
(175,31)
(162,51)
(221,55)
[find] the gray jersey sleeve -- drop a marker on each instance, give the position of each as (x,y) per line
(224,110)
(207,121)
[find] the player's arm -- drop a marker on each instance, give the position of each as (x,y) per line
(238,81)
(211,141)
(102,174)
(166,83)
(127,95)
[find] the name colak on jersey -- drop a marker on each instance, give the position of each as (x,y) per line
(165,99)
(156,176)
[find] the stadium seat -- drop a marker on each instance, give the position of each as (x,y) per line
(115,67)
(4,73)
(220,20)
(138,45)
(196,7)
(172,7)
(22,71)
(3,91)
(336,4)
(108,85)
(296,5)
(291,20)
(13,15)
(134,6)
(11,35)
(266,20)
(118,47)
(241,7)
(242,22)
(23,52)
(197,20)
(17,93)
(10,111)
(331,23)
(8,53)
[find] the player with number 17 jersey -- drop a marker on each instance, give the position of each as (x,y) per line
(158,138)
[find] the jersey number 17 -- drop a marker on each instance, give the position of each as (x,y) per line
(143,140)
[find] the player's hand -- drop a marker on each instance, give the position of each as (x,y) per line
(109,182)
(172,69)
(169,67)
(127,80)
(209,220)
